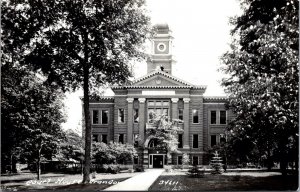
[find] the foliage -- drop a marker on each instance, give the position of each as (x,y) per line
(76,43)
(31,115)
(185,159)
(195,172)
(71,148)
(262,82)
(164,132)
(108,168)
(139,168)
(216,164)
(113,153)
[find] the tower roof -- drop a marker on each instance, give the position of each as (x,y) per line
(162,28)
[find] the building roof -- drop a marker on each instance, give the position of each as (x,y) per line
(213,99)
(180,84)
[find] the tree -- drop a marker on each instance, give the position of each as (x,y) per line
(185,159)
(31,115)
(113,153)
(78,43)
(71,147)
(262,66)
(164,133)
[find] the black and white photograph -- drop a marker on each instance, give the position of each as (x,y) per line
(149,95)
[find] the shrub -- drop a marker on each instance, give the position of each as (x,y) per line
(139,168)
(185,160)
(195,172)
(113,169)
(108,168)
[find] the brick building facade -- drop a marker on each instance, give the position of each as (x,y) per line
(126,116)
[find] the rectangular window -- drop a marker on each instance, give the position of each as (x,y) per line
(222,117)
(150,115)
(95,138)
(213,140)
(179,140)
(195,141)
(151,156)
(213,117)
(136,160)
(104,138)
(135,115)
(180,114)
(104,116)
(158,107)
(95,117)
(166,103)
(121,116)
(179,160)
(121,138)
(136,140)
(151,103)
(195,116)
(195,160)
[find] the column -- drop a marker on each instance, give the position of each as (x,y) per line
(186,123)
(142,120)
(174,108)
(130,120)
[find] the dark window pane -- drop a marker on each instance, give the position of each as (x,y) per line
(213,117)
(95,138)
(104,138)
(195,160)
(179,160)
(151,156)
(136,115)
(213,140)
(222,117)
(136,140)
(166,159)
(121,138)
(195,141)
(180,114)
(104,116)
(121,116)
(95,117)
(195,116)
(179,140)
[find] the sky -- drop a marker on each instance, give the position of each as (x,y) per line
(201,34)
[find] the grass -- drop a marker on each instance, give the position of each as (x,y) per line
(27,181)
(225,182)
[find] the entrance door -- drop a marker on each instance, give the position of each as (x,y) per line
(158,161)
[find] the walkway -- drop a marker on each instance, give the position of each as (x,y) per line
(140,182)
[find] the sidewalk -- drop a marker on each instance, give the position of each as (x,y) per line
(140,182)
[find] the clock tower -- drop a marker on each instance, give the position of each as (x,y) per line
(161,53)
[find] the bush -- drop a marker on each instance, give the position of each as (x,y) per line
(139,168)
(195,172)
(113,169)
(108,168)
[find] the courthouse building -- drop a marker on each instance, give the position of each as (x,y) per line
(125,117)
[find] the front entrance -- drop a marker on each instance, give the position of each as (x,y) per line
(158,161)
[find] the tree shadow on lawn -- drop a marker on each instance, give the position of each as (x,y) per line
(225,183)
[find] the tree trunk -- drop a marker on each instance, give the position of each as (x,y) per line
(88,129)
(39,165)
(269,161)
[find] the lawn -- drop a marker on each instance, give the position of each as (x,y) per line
(27,181)
(232,181)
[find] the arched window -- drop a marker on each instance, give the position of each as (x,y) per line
(152,143)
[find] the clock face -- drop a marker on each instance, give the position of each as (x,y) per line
(161,47)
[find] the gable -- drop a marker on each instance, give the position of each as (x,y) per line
(159,79)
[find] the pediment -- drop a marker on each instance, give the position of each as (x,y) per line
(161,79)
